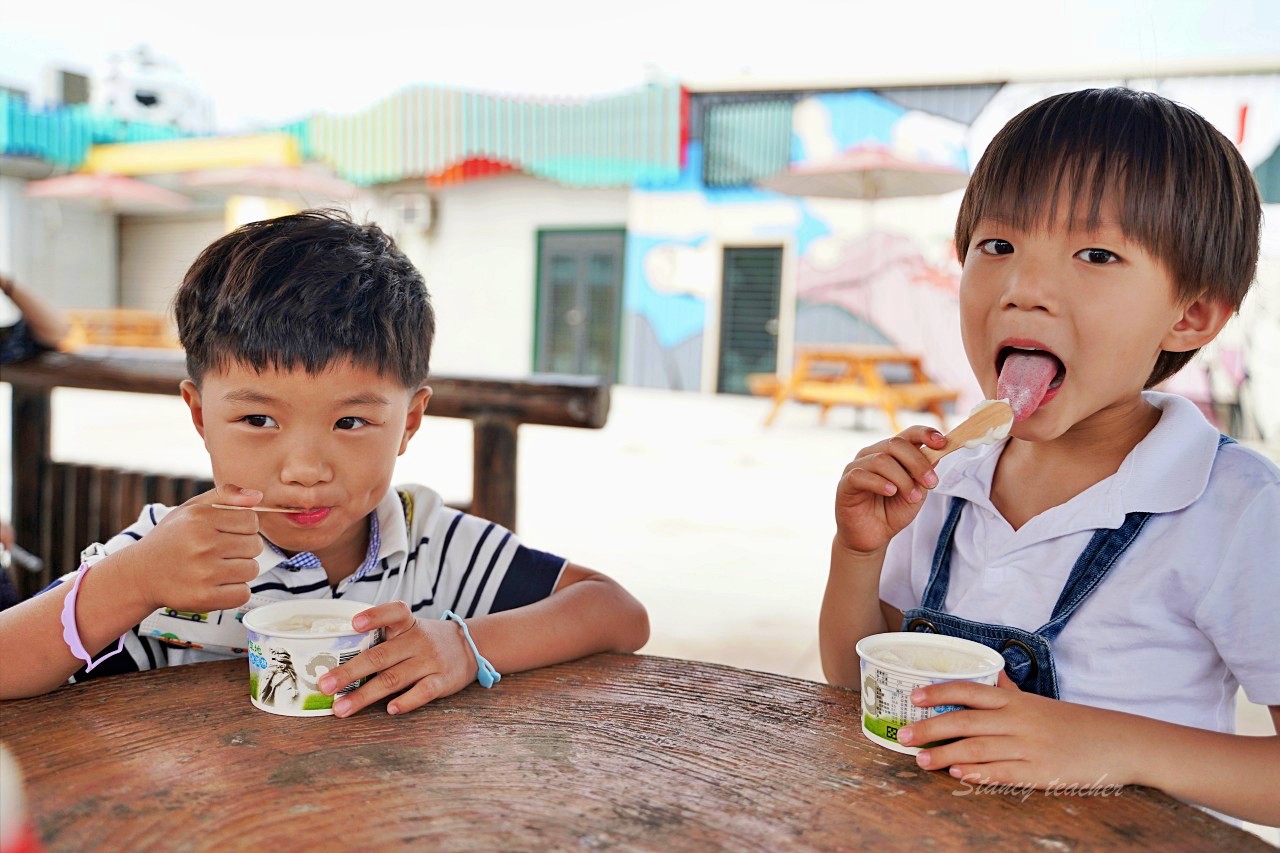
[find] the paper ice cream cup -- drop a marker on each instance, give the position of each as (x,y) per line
(893,665)
(292,644)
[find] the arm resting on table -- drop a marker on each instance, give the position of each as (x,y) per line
(587,613)
(36,659)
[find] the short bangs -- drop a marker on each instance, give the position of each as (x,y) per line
(1180,188)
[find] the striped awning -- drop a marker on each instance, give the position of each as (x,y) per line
(430,132)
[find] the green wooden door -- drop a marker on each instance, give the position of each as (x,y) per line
(749,299)
(579,302)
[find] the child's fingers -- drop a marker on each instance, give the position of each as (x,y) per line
(995,773)
(971,694)
(380,664)
(426,690)
(889,467)
(971,750)
(240,570)
(227,596)
(907,453)
(394,618)
(228,493)
(862,480)
(240,547)
(922,435)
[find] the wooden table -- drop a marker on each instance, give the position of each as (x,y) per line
(850,375)
(633,752)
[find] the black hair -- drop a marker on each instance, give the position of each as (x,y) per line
(303,291)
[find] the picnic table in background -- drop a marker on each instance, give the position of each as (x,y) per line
(854,375)
(119,327)
(611,751)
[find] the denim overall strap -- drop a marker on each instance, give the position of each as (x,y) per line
(1094,563)
(935,591)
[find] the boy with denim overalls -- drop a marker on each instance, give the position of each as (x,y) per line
(1115,549)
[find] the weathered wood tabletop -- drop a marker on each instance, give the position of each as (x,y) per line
(613,751)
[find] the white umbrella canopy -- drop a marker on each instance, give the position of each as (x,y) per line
(116,193)
(273,181)
(868,173)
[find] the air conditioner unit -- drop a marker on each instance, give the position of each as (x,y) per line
(413,213)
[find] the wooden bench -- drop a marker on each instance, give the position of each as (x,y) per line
(60,507)
(851,376)
(119,327)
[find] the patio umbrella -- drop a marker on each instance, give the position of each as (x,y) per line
(273,181)
(115,193)
(868,173)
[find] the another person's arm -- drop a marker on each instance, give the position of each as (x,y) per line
(880,493)
(197,558)
(1012,738)
(48,325)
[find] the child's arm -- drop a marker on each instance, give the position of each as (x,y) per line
(428,659)
(879,494)
(1010,737)
(197,558)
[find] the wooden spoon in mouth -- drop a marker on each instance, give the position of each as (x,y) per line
(989,422)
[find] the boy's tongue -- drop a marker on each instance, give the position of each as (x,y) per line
(1024,380)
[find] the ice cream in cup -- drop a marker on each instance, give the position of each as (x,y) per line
(292,644)
(892,665)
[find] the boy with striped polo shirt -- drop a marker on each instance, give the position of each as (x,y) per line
(307,341)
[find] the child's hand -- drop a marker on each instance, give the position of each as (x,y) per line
(420,659)
(882,489)
(200,558)
(1013,738)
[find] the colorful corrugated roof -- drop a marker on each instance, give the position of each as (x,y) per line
(63,135)
(429,132)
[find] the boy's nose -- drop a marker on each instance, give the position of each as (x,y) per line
(1029,287)
(305,466)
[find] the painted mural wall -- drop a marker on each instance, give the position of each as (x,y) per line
(884,270)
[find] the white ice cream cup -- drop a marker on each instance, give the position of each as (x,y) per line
(287,658)
(893,665)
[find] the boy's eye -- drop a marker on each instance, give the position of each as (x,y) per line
(995,246)
(1098,256)
(350,423)
(262,421)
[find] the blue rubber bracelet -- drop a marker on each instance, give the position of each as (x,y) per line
(485,673)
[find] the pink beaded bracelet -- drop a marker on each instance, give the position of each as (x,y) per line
(71,635)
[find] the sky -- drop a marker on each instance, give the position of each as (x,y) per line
(265,63)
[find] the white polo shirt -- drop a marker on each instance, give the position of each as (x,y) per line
(428,555)
(1189,613)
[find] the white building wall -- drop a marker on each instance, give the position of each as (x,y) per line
(65,252)
(480,260)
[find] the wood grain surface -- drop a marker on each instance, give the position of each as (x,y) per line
(610,752)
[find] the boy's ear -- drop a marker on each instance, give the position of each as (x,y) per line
(417,409)
(191,396)
(1199,323)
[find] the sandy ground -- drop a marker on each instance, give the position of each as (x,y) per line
(720,526)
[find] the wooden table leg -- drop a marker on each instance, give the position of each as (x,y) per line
(892,412)
(31,416)
(778,399)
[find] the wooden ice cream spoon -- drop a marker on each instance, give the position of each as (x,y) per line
(989,422)
(254,508)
